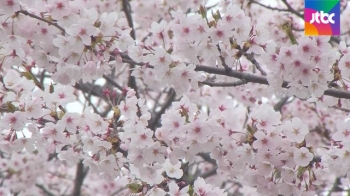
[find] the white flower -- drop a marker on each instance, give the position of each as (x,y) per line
(171,170)
(295,130)
(302,156)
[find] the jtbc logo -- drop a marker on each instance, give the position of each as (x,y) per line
(316,17)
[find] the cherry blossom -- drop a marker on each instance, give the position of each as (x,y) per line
(171,98)
(83,30)
(295,130)
(14,121)
(265,117)
(175,191)
(302,156)
(263,141)
(343,132)
(10,6)
(171,170)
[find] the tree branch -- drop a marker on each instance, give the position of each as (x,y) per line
(112,82)
(278,106)
(258,79)
(127,10)
(45,190)
(292,10)
(206,157)
(269,7)
(225,84)
(251,58)
(79,178)
(119,191)
(43,20)
(166,105)
(236,74)
(335,187)
(262,80)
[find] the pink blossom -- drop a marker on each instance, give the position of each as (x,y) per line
(302,156)
(83,30)
(174,190)
(14,120)
(343,132)
(9,7)
(263,141)
(295,130)
(145,92)
(265,117)
(59,8)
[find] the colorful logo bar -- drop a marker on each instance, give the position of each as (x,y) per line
(322,17)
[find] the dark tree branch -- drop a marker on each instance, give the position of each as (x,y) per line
(88,100)
(225,84)
(207,158)
(189,178)
(95,90)
(335,187)
(236,74)
(112,82)
(127,10)
(223,60)
(155,119)
(79,178)
(203,175)
(278,106)
(251,58)
(338,93)
(262,80)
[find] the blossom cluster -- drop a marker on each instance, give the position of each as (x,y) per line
(155,126)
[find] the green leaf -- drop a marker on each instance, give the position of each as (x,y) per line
(190,190)
(203,11)
(51,88)
(301,171)
(288,29)
(135,188)
(216,16)
(11,107)
(27,75)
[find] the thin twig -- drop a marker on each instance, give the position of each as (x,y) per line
(111,81)
(269,7)
(119,191)
(251,58)
(227,68)
(45,190)
(292,10)
(43,20)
